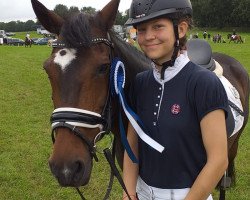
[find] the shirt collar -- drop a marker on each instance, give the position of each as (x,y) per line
(172,71)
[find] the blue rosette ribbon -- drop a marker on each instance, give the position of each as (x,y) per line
(117,81)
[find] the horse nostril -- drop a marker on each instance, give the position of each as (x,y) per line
(79,167)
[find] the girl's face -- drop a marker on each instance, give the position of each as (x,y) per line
(156,38)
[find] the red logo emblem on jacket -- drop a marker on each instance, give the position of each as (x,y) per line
(175,109)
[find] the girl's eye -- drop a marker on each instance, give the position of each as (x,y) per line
(103,68)
(141,30)
(158,26)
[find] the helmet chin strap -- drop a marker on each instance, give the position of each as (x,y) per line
(171,62)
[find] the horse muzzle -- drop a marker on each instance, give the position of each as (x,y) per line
(71,162)
(73,173)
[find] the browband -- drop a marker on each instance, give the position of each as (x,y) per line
(58,44)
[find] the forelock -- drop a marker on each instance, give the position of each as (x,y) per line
(76,30)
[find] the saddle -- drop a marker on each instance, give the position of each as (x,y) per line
(200,53)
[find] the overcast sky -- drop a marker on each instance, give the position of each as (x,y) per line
(13,10)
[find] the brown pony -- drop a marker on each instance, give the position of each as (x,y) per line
(79,69)
(234,38)
(27,42)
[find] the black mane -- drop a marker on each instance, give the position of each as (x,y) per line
(130,54)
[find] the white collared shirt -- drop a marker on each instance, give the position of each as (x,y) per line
(172,71)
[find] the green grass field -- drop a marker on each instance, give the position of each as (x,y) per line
(22,35)
(25,143)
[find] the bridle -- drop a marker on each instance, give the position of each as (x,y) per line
(73,118)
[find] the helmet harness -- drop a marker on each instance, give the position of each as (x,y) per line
(171,62)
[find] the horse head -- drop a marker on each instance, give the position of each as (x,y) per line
(78,70)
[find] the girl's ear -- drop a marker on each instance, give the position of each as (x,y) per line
(183,29)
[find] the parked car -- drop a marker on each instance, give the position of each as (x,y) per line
(10,34)
(42,41)
(34,40)
(15,41)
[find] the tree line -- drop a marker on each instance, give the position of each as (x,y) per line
(65,12)
(18,26)
(60,9)
(221,13)
(207,13)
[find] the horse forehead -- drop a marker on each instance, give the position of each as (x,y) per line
(64,57)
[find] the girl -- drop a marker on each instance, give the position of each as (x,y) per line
(183,107)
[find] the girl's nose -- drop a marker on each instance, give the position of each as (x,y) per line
(149,35)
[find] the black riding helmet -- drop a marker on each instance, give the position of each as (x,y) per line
(144,10)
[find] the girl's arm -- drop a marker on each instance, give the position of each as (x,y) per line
(130,169)
(213,129)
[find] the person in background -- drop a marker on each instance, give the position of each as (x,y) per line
(234,32)
(28,36)
(205,34)
(208,36)
(182,106)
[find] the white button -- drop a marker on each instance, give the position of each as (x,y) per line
(159,88)
(155,113)
(159,96)
(157,105)
(154,123)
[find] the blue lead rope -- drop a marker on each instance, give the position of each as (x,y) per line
(117,80)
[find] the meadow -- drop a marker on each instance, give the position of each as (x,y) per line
(25,142)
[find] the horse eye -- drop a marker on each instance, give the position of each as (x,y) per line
(103,68)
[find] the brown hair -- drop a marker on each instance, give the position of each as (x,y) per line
(179,17)
(183,40)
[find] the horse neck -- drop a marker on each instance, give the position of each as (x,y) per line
(134,60)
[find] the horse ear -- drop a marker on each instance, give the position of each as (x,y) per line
(108,14)
(50,20)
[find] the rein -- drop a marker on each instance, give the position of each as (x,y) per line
(73,118)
